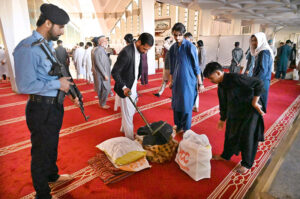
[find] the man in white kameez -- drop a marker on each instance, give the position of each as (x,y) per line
(87,62)
(78,60)
(126,72)
(3,66)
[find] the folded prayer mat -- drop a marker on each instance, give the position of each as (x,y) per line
(108,173)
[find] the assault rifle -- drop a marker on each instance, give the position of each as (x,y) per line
(61,70)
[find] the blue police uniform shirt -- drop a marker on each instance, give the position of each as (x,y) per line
(32,67)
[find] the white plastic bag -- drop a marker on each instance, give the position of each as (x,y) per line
(194,154)
(295,74)
(122,150)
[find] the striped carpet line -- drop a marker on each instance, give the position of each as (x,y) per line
(13,104)
(86,91)
(5,87)
(87,174)
(7,94)
(70,130)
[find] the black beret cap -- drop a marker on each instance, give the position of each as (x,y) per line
(55,14)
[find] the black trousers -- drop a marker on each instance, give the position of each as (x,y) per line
(44,121)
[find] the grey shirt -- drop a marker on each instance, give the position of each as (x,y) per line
(202,58)
(237,56)
(102,65)
(61,54)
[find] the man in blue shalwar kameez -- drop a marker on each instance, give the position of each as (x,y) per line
(185,78)
(282,64)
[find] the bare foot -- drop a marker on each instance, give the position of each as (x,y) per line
(62,178)
(240,169)
(218,157)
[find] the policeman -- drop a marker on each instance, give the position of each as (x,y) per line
(44,115)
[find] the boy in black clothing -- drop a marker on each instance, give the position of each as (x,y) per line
(241,110)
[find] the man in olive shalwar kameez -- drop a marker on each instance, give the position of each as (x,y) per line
(240,108)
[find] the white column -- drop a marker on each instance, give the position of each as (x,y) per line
(205,22)
(270,33)
(236,26)
(147,25)
(15,26)
(255,28)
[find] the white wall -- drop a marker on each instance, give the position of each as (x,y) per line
(147,25)
(15,27)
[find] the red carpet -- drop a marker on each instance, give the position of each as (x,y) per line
(78,140)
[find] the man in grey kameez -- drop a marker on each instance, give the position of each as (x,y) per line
(237,56)
(102,67)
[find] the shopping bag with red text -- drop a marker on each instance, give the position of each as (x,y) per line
(194,154)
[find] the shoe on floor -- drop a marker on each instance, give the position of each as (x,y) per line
(156,94)
(105,107)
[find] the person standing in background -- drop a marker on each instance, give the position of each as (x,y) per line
(78,60)
(274,49)
(237,56)
(3,66)
(293,57)
(144,76)
(166,72)
(188,36)
(202,64)
(62,54)
(96,84)
(284,56)
(102,67)
(87,63)
(128,38)
(250,63)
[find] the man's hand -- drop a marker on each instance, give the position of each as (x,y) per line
(75,101)
(105,78)
(65,84)
(221,124)
(126,91)
(201,88)
(93,70)
(257,106)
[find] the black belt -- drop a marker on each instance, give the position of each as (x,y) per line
(43,99)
